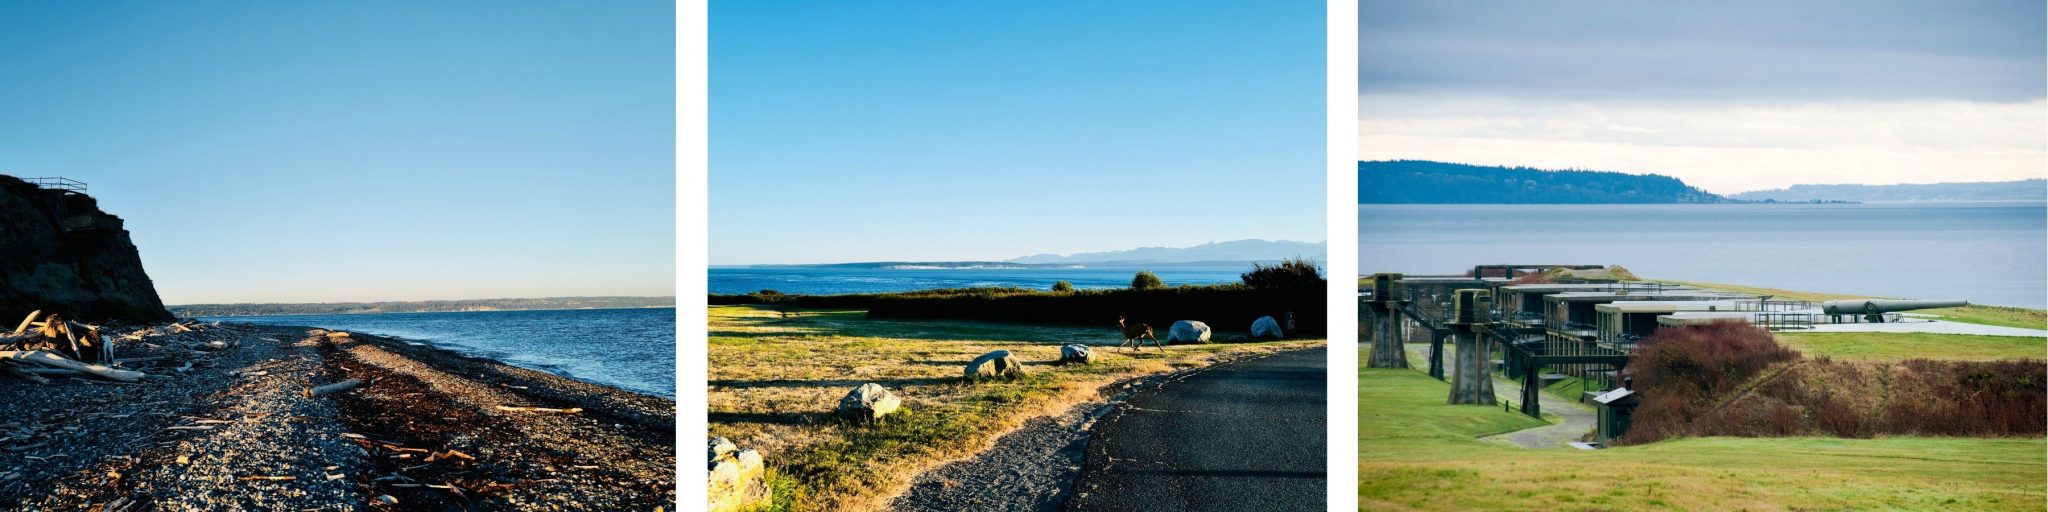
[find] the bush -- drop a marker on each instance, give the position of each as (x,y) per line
(1062,286)
(1289,274)
(1533,278)
(1682,370)
(1146,280)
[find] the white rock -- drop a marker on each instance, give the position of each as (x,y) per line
(1188,331)
(868,403)
(995,364)
(1076,354)
(1266,327)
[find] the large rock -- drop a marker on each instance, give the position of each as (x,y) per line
(868,403)
(1188,331)
(995,364)
(738,479)
(1266,327)
(60,252)
(1076,354)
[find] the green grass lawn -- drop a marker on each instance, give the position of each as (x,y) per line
(775,379)
(1415,453)
(1899,346)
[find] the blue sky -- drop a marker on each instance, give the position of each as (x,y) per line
(1732,96)
(867,131)
(332,151)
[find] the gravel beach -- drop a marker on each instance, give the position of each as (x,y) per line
(237,428)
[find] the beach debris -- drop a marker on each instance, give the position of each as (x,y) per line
(334,388)
(1188,331)
(1076,354)
(512,408)
(999,363)
(28,358)
(269,478)
(738,478)
(868,403)
(1266,327)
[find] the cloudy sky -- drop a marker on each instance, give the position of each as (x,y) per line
(1729,96)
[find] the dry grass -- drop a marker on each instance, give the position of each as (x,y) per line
(774,382)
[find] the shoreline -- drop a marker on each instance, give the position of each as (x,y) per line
(468,352)
(239,428)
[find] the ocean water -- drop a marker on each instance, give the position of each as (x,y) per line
(820,281)
(1986,253)
(632,349)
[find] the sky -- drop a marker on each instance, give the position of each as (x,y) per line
(945,131)
(1728,96)
(359,151)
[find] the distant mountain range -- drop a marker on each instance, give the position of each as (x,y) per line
(425,306)
(1426,182)
(1237,252)
(2022,190)
(1231,254)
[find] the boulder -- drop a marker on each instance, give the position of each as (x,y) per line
(738,478)
(1266,327)
(868,403)
(1076,354)
(1188,331)
(995,364)
(337,334)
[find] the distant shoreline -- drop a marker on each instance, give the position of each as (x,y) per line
(671,306)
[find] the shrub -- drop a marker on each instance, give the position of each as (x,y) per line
(1146,280)
(1288,274)
(1682,370)
(1062,286)
(1533,278)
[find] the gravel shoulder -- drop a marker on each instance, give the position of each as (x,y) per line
(237,429)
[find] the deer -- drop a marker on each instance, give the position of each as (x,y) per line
(1134,333)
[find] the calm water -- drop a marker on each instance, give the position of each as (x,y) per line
(633,349)
(816,281)
(1987,253)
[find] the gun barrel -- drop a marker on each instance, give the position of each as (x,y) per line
(1866,306)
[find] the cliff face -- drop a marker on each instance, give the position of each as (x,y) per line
(59,253)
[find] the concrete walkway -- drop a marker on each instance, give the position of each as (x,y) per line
(1247,435)
(1930,327)
(1575,419)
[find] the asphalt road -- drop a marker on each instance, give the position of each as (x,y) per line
(1241,436)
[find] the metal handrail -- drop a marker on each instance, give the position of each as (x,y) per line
(57,183)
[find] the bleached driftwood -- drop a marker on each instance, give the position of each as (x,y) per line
(25,321)
(509,408)
(335,387)
(51,359)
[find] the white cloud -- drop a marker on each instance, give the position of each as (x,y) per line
(1724,148)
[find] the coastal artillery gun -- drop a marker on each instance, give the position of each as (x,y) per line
(1873,310)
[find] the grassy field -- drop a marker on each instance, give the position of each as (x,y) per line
(1418,454)
(1974,314)
(774,382)
(1896,346)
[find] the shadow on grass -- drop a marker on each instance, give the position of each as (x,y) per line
(837,383)
(773,418)
(855,324)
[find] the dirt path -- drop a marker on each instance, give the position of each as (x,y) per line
(1574,419)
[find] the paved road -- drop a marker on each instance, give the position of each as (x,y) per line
(1575,419)
(1242,436)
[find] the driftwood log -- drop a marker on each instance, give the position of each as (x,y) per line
(335,387)
(51,359)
